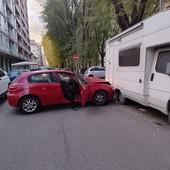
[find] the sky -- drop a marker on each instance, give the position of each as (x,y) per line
(35,24)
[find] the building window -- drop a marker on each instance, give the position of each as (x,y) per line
(163,62)
(7,43)
(2,40)
(5,24)
(3,6)
(129,57)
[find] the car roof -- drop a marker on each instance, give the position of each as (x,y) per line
(46,71)
(20,70)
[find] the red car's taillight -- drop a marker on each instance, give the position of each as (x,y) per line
(15,88)
(12,88)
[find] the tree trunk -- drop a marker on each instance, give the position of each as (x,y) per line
(124,21)
(122,18)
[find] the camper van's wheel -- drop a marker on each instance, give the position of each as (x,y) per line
(121,98)
(91,75)
(169,116)
(116,96)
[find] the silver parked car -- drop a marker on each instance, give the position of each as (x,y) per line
(95,71)
(4,82)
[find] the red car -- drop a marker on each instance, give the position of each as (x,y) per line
(34,89)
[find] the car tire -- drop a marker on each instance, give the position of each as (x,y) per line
(5,96)
(29,104)
(169,116)
(100,98)
(121,99)
(91,75)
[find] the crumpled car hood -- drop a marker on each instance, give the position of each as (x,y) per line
(95,80)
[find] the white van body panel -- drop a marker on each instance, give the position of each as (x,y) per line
(134,82)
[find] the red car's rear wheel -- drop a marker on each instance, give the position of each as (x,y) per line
(29,104)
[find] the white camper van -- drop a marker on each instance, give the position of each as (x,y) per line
(138,63)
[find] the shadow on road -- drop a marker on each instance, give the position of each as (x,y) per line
(154,115)
(49,108)
(2,100)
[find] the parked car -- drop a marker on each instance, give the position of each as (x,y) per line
(42,68)
(4,82)
(68,69)
(15,73)
(46,68)
(95,71)
(34,89)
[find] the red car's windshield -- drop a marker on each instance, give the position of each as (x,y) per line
(81,79)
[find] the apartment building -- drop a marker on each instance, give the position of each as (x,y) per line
(14,33)
(37,52)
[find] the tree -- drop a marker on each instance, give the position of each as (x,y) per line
(51,52)
(102,26)
(61,23)
(93,29)
(130,12)
(82,31)
(108,21)
(81,27)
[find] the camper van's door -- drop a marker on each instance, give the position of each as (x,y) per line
(159,83)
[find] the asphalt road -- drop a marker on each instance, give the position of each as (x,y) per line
(111,137)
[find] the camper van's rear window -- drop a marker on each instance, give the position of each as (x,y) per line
(129,57)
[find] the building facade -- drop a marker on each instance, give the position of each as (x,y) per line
(37,52)
(14,33)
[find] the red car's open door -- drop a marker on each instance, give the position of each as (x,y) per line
(84,92)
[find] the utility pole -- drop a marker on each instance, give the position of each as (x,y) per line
(160,5)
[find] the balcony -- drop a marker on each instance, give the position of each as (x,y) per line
(9,5)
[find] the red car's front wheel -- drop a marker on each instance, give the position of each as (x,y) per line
(100,98)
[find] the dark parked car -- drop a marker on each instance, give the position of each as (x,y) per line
(34,89)
(15,73)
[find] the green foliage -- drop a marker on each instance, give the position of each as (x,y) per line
(130,12)
(81,27)
(51,52)
(60,17)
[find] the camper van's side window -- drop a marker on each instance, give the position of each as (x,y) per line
(129,57)
(163,62)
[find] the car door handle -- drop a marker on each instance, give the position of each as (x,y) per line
(152,77)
